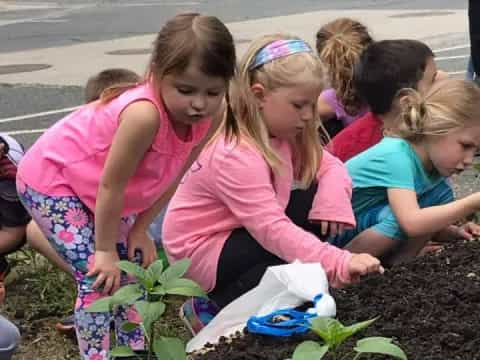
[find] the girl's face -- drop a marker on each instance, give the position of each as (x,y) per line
(286,110)
(191,95)
(452,153)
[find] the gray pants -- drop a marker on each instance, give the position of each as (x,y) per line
(9,338)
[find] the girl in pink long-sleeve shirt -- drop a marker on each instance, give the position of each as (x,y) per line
(230,215)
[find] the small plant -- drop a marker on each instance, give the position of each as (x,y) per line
(333,334)
(149,298)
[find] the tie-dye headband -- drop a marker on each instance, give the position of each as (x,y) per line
(278,49)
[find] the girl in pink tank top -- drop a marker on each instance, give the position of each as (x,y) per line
(95,180)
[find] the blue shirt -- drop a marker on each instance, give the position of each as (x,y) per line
(392,163)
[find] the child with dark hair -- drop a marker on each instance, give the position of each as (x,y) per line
(97,83)
(384,68)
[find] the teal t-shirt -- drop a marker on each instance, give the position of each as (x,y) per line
(392,163)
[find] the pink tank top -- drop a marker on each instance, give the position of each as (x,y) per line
(68,159)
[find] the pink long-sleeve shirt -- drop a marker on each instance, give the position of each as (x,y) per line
(232,186)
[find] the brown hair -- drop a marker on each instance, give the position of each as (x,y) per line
(183,38)
(339,45)
(97,83)
(448,105)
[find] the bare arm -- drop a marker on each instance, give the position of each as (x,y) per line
(146,218)
(418,222)
(138,126)
(324,109)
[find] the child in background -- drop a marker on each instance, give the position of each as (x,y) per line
(13,217)
(95,180)
(229,214)
(107,78)
(384,68)
(401,196)
(340,44)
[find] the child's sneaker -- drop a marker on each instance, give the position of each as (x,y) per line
(197,312)
(66,326)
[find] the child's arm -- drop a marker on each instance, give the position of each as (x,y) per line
(417,222)
(139,123)
(242,181)
(332,202)
(324,109)
(144,220)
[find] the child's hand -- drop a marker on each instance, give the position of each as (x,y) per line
(331,228)
(138,239)
(468,231)
(362,264)
(107,271)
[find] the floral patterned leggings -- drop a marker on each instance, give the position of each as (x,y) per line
(69,227)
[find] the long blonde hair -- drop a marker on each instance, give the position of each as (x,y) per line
(340,43)
(449,104)
(286,71)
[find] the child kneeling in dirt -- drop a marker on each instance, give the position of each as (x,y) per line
(231,215)
(401,193)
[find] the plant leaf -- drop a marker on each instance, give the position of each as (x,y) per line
(324,328)
(155,269)
(121,351)
(150,312)
(348,331)
(129,326)
(127,294)
(309,350)
(167,348)
(174,271)
(158,290)
(185,287)
(379,345)
(132,269)
(101,305)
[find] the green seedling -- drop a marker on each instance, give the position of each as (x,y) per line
(149,296)
(333,334)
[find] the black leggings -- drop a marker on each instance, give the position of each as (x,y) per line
(243,261)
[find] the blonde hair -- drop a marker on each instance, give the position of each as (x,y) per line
(449,104)
(285,71)
(340,44)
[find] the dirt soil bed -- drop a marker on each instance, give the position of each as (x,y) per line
(430,306)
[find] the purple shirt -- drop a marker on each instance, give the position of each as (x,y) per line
(330,97)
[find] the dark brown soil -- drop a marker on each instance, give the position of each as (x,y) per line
(430,306)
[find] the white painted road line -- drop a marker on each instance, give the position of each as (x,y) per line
(44,113)
(21,132)
(452,57)
(464,46)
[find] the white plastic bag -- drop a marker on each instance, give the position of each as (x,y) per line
(281,287)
